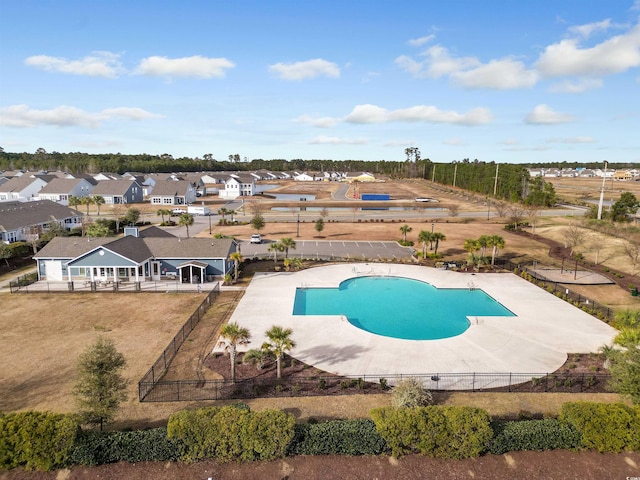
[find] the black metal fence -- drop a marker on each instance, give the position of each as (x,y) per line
(32,285)
(587,304)
(200,390)
(159,368)
(23,281)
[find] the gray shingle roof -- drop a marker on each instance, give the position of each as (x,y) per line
(15,215)
(112,187)
(60,185)
(170,188)
(17,184)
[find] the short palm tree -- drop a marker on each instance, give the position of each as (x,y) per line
(483,243)
(236,257)
(287,243)
(280,342)
(258,356)
(98,200)
(87,201)
(471,245)
(74,201)
(275,248)
(405,229)
(424,236)
(185,220)
(162,212)
(222,212)
(437,237)
(231,336)
(495,242)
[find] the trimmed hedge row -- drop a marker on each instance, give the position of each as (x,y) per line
(98,448)
(337,437)
(46,441)
(36,440)
(437,431)
(231,433)
(606,427)
(539,435)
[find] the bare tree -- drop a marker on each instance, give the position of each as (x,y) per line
(631,250)
(501,208)
(453,209)
(574,235)
(516,214)
(255,207)
(597,243)
(533,214)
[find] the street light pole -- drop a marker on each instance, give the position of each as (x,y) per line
(209,223)
(604,177)
(298,227)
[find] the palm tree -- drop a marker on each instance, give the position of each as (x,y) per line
(98,200)
(162,212)
(74,201)
(231,336)
(222,212)
(279,343)
(275,248)
(185,220)
(424,236)
(258,356)
(86,201)
(287,243)
(405,229)
(483,243)
(438,237)
(236,257)
(496,242)
(231,213)
(471,245)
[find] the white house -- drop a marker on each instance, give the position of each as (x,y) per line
(239,184)
(21,189)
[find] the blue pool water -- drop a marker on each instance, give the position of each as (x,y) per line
(399,307)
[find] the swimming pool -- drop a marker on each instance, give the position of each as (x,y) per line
(399,307)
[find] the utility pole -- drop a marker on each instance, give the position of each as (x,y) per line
(433,174)
(604,178)
(495,182)
(455,174)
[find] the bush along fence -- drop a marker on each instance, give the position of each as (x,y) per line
(23,281)
(160,366)
(197,390)
(47,441)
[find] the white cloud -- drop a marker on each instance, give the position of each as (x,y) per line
(587,30)
(99,64)
(544,115)
(578,86)
(195,66)
(420,113)
(614,55)
(326,140)
(509,141)
(455,142)
(303,70)
(504,74)
(469,72)
(418,42)
(320,122)
(22,116)
(571,140)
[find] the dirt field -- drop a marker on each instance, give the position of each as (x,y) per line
(583,189)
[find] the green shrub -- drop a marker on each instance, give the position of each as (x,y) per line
(410,393)
(606,427)
(338,437)
(36,440)
(231,433)
(539,435)
(437,431)
(98,448)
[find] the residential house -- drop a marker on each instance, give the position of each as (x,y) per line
(119,191)
(60,189)
(173,192)
(23,189)
(623,175)
(237,185)
(360,177)
(140,256)
(304,177)
(99,177)
(19,220)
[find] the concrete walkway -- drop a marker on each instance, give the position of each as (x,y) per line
(536,341)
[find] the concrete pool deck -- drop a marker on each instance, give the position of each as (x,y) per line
(537,340)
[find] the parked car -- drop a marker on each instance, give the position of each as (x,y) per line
(256,238)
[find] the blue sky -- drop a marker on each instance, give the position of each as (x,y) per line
(505,81)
